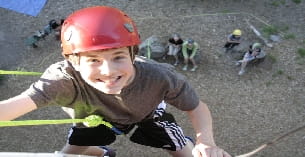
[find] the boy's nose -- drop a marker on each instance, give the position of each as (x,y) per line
(106,68)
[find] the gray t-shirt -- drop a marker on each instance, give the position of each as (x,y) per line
(62,85)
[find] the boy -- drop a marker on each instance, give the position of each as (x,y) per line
(255,52)
(233,40)
(101,76)
(174,46)
(41,34)
(189,51)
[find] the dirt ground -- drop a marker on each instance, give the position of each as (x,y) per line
(249,110)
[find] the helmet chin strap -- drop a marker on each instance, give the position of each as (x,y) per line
(132,53)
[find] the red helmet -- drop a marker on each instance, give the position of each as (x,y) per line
(98,28)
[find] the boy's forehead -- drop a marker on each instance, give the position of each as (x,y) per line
(100,52)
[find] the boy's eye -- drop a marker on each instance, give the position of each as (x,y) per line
(119,57)
(94,60)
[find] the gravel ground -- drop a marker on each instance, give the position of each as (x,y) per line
(268,101)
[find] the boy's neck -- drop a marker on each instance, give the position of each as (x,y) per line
(134,72)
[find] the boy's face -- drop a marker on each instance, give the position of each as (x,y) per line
(107,70)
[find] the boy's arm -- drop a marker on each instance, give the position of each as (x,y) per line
(194,50)
(184,53)
(229,40)
(235,41)
(16,107)
(202,123)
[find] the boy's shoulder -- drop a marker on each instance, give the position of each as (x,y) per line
(152,69)
(61,69)
(151,64)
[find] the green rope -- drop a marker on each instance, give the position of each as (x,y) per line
(90,121)
(5,72)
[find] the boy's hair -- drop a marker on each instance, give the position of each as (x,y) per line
(73,58)
(98,28)
(176,35)
(53,24)
(190,41)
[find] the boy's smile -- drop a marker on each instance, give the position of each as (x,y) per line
(108,71)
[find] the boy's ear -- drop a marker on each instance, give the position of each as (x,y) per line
(74,60)
(76,66)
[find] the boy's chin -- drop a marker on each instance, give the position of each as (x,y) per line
(110,91)
(115,90)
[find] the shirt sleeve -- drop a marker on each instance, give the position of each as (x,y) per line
(229,38)
(53,88)
(181,94)
(180,41)
(184,47)
(194,51)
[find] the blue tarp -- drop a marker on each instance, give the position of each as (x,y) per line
(29,7)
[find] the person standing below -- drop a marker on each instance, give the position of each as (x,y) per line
(233,40)
(174,47)
(101,75)
(57,29)
(189,51)
(255,52)
(53,25)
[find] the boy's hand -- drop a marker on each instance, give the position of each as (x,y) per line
(202,150)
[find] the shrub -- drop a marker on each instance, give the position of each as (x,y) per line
(272,58)
(276,3)
(301,52)
(289,36)
(269,30)
(297,1)
(290,78)
(280,72)
(284,28)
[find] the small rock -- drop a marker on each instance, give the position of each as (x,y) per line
(275,38)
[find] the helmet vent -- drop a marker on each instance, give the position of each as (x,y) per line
(68,35)
(128,27)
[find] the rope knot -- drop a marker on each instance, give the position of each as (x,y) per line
(93,121)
